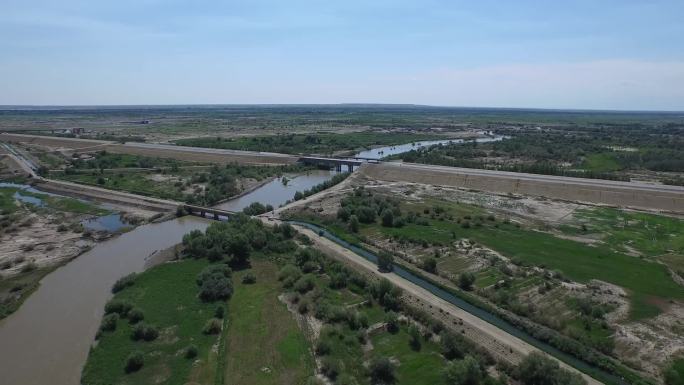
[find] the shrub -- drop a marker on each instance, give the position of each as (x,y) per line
(134,362)
(219,312)
(354,224)
(385,261)
(466,280)
(124,282)
(215,283)
(144,332)
(414,342)
(289,274)
(392,322)
(430,265)
(464,372)
(322,347)
(190,352)
(117,306)
(109,322)
(382,371)
(249,278)
(536,369)
(213,326)
(450,346)
(330,367)
(135,315)
(304,284)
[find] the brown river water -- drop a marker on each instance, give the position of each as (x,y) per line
(46,341)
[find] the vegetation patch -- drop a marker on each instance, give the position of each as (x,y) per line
(264,345)
(154,351)
(322,143)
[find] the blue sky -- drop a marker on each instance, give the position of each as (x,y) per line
(599,54)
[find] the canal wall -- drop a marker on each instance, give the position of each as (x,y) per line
(610,193)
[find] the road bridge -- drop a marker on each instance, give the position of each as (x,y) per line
(214,213)
(336,163)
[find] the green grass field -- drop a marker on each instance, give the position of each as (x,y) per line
(167,295)
(648,234)
(7,201)
(601,162)
(648,283)
(264,345)
(134,183)
(423,367)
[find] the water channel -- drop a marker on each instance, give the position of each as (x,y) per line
(381,152)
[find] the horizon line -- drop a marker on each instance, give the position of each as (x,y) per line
(9,107)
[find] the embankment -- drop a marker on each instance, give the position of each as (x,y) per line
(619,194)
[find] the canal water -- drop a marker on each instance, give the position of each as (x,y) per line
(381,152)
(276,193)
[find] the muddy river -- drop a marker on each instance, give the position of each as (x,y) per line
(46,341)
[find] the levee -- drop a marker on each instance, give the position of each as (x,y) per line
(619,194)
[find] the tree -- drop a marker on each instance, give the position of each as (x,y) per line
(214,282)
(385,261)
(382,371)
(239,248)
(343,214)
(354,224)
(464,372)
(366,214)
(466,280)
(387,218)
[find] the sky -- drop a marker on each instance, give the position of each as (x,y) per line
(599,54)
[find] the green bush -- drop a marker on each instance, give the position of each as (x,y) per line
(124,282)
(134,362)
(135,315)
(144,332)
(213,326)
(382,371)
(190,352)
(215,284)
(249,278)
(117,306)
(464,372)
(109,322)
